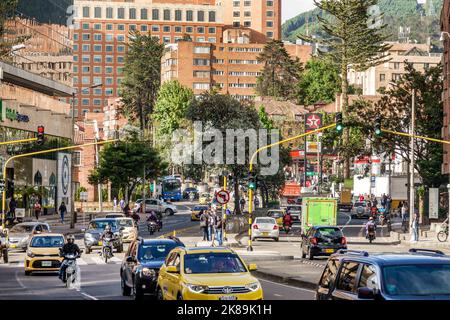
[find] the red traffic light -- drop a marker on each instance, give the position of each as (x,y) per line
(40,129)
(40,135)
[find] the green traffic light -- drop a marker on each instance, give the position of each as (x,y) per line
(339,128)
(378,132)
(252,185)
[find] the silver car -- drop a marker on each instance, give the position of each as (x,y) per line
(360,210)
(265,228)
(21,233)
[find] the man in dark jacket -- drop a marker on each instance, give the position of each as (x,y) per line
(62,211)
(69,248)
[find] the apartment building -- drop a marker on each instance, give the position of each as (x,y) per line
(445,27)
(380,76)
(230,67)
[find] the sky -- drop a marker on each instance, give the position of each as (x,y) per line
(291,8)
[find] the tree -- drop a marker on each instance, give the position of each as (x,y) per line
(7,11)
(264,118)
(280,72)
(171,105)
(319,82)
(142,77)
(119,163)
(355,39)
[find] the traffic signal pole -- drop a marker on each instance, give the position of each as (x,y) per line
(17,141)
(250,191)
(36,153)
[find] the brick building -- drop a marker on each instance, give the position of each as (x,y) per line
(102,29)
(445,27)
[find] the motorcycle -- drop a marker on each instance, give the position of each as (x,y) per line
(4,245)
(152,226)
(287,228)
(371,233)
(107,249)
(71,272)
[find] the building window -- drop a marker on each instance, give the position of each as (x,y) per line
(166,14)
(75,37)
(132,27)
(98,37)
(97,59)
(201,74)
(84,111)
(76,158)
(109,37)
(98,12)
(178,29)
(120,38)
(86,37)
(98,48)
(201,86)
(247,24)
(218,61)
(86,58)
(236,14)
(211,30)
(121,13)
(97,80)
(85,102)
(109,70)
(426,66)
(200,29)
(109,81)
(75,47)
(269,34)
(97,102)
(382,77)
(155,14)
(396,65)
(166,29)
(144,28)
(86,13)
(132,13)
(396,76)
(109,59)
(120,48)
(236,3)
(178,15)
(189,15)
(109,91)
(212,40)
(97,69)
(189,29)
(109,13)
(236,24)
(109,48)
(155,28)
(85,26)
(166,39)
(247,14)
(86,69)
(75,69)
(201,62)
(201,50)
(121,27)
(201,15)
(269,3)
(247,3)
(200,39)
(212,16)
(144,14)
(270,13)
(86,48)
(75,58)
(98,26)
(97,92)
(120,59)
(269,24)
(109,27)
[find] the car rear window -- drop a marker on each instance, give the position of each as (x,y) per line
(275,214)
(265,220)
(417,280)
(329,233)
(360,204)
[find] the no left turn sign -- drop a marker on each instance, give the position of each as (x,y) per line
(223,197)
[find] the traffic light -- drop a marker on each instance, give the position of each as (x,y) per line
(252,181)
(40,135)
(378,131)
(339,124)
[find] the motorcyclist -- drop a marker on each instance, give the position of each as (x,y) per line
(69,248)
(107,234)
(370,224)
(287,219)
(154,217)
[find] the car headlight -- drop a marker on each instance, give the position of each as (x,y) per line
(148,272)
(30,254)
(196,288)
(253,286)
(89,236)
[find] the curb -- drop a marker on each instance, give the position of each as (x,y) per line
(265,257)
(286,280)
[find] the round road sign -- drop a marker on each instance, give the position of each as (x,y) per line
(223,197)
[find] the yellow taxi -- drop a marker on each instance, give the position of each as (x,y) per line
(195,212)
(43,253)
(278,215)
(207,273)
(204,198)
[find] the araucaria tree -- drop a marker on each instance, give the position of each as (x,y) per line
(355,40)
(7,11)
(280,72)
(142,77)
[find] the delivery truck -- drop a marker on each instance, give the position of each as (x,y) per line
(345,200)
(318,212)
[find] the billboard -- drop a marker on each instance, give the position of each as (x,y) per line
(64,185)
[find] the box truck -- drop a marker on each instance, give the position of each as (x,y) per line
(318,212)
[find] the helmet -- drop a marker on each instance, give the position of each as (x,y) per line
(70,238)
(371,218)
(108,228)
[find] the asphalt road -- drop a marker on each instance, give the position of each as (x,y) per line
(100,281)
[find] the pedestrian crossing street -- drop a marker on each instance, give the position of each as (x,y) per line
(91,259)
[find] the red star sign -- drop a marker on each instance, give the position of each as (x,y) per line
(313,122)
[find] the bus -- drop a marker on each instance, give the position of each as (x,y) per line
(171,188)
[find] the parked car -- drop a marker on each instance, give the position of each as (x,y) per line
(94,231)
(20,234)
(207,273)
(43,253)
(156,205)
(277,215)
(189,191)
(140,268)
(357,275)
(204,198)
(360,210)
(322,241)
(195,212)
(130,229)
(265,228)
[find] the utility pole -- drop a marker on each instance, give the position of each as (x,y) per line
(411,170)
(73,215)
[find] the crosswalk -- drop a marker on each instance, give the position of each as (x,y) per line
(83,261)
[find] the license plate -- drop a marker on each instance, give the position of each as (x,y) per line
(12,245)
(228,298)
(100,243)
(265,234)
(329,250)
(46,263)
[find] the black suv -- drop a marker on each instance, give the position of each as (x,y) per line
(140,267)
(355,275)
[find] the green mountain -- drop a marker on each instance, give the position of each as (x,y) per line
(422,19)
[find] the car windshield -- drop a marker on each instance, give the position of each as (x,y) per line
(265,220)
(101,224)
(47,242)
(213,263)
(21,229)
(329,233)
(151,252)
(275,214)
(417,280)
(125,222)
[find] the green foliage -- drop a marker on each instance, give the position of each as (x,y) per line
(320,82)
(7,11)
(171,106)
(78,192)
(122,164)
(264,118)
(142,76)
(280,72)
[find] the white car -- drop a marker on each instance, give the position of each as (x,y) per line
(130,229)
(156,205)
(265,228)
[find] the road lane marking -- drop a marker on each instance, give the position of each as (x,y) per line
(277,295)
(98,260)
(87,283)
(287,286)
(88,296)
(18,280)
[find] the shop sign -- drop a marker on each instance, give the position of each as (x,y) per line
(11,114)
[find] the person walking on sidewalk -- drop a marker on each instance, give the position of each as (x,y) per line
(218,224)
(204,224)
(115,203)
(415,227)
(122,204)
(37,209)
(62,211)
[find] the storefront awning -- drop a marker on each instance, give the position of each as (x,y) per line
(291,189)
